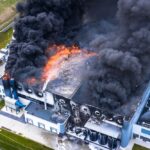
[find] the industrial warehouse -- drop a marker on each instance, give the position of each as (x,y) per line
(80,69)
(54,110)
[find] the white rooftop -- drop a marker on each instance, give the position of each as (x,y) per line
(104,128)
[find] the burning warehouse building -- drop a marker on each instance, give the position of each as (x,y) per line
(78,69)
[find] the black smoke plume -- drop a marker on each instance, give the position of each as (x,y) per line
(123,65)
(120,37)
(41,23)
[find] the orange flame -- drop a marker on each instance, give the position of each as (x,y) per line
(6,76)
(31,81)
(62,53)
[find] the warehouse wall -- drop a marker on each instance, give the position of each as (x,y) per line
(142,133)
(41,123)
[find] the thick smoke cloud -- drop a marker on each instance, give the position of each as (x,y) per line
(122,65)
(41,23)
(123,62)
(146,117)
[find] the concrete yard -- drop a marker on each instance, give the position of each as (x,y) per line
(37,134)
(17,125)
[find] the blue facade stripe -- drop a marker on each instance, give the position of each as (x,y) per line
(145,131)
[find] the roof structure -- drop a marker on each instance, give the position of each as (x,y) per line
(105,128)
(69,77)
(38,110)
(127,110)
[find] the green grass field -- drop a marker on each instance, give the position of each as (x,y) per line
(11,141)
(5,38)
(137,147)
(1,104)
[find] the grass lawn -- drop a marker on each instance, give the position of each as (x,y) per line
(5,38)
(2,103)
(137,147)
(11,141)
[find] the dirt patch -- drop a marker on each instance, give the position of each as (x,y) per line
(7,14)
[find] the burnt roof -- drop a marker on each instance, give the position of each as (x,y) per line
(127,110)
(70,77)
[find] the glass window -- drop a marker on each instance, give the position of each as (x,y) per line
(145,131)
(41,125)
(30,121)
(53,130)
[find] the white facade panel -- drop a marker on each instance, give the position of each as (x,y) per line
(10,102)
(24,101)
(2,93)
(47,97)
(32,95)
(37,121)
(137,129)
